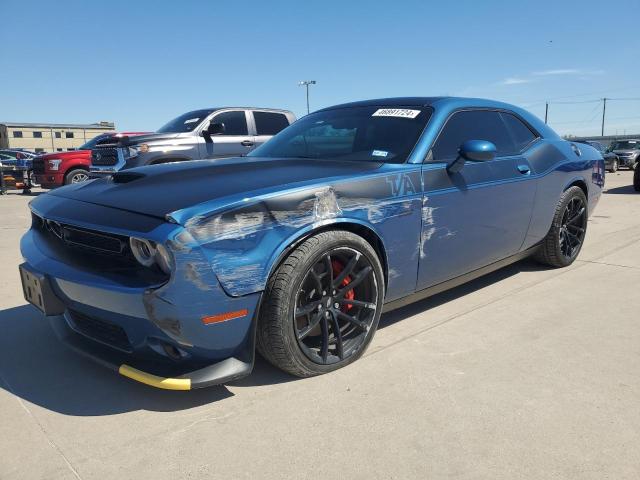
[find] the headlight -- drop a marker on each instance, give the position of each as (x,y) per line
(149,253)
(54,163)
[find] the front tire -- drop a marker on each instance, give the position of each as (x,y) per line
(77,175)
(322,305)
(564,241)
(614,166)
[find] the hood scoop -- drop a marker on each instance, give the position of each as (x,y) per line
(126,177)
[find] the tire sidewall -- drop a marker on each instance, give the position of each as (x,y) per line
(70,175)
(341,239)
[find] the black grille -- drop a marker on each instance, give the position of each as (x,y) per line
(89,239)
(104,156)
(101,331)
(38,166)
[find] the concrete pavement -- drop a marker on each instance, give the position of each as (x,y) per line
(526,373)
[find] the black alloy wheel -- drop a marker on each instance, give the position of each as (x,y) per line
(322,305)
(335,306)
(573,228)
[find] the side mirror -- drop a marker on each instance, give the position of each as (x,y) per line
(214,129)
(475,151)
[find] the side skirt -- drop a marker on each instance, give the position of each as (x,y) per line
(457,281)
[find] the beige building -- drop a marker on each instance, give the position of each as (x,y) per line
(49,137)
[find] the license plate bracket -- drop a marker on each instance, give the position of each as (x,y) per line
(38,292)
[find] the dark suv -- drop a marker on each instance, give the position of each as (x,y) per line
(628,151)
(611,160)
(200,134)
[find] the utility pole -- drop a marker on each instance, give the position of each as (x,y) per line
(604,110)
(546,112)
(306,83)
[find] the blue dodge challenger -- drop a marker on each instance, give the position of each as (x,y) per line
(173,275)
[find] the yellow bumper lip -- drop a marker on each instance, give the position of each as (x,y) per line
(154,380)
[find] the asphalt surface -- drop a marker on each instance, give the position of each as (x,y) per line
(525,373)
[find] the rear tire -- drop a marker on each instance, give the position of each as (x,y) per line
(564,241)
(311,322)
(636,180)
(77,175)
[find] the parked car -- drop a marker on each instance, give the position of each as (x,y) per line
(628,152)
(207,133)
(611,161)
(16,157)
(62,168)
(173,274)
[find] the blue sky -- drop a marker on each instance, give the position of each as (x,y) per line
(140,63)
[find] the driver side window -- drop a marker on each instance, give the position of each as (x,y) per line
(235,122)
(472,125)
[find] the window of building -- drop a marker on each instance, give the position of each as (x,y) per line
(58,134)
(235,123)
(17,134)
(70,149)
(269,123)
(68,134)
(58,149)
(39,150)
(37,134)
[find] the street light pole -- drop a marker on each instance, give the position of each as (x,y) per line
(604,109)
(546,112)
(306,83)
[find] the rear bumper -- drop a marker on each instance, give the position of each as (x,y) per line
(154,334)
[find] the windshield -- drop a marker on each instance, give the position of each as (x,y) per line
(91,143)
(186,122)
(626,145)
(366,134)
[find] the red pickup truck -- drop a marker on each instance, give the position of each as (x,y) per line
(61,168)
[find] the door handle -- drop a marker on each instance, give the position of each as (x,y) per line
(524,169)
(247,143)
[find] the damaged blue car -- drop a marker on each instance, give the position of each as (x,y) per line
(175,274)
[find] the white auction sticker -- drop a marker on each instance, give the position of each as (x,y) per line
(396,112)
(379,153)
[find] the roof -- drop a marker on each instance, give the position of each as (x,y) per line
(389,102)
(99,125)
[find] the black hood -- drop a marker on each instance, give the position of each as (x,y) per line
(161,189)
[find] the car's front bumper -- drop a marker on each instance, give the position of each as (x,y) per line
(156,334)
(50,180)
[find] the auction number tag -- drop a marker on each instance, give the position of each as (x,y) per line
(396,112)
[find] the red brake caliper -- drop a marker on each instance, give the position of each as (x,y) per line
(350,295)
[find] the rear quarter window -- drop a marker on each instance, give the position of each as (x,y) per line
(270,123)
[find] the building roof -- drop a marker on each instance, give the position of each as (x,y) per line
(103,125)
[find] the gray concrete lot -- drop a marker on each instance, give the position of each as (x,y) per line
(526,373)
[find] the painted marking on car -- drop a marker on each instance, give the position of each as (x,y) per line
(396,112)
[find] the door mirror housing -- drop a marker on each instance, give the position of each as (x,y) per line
(478,150)
(475,151)
(214,129)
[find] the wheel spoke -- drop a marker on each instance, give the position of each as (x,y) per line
(324,351)
(346,271)
(338,336)
(328,269)
(357,303)
(309,328)
(353,320)
(317,279)
(355,281)
(307,309)
(576,216)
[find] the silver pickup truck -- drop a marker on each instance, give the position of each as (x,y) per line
(200,134)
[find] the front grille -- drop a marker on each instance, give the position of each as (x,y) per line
(38,166)
(72,236)
(101,331)
(104,156)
